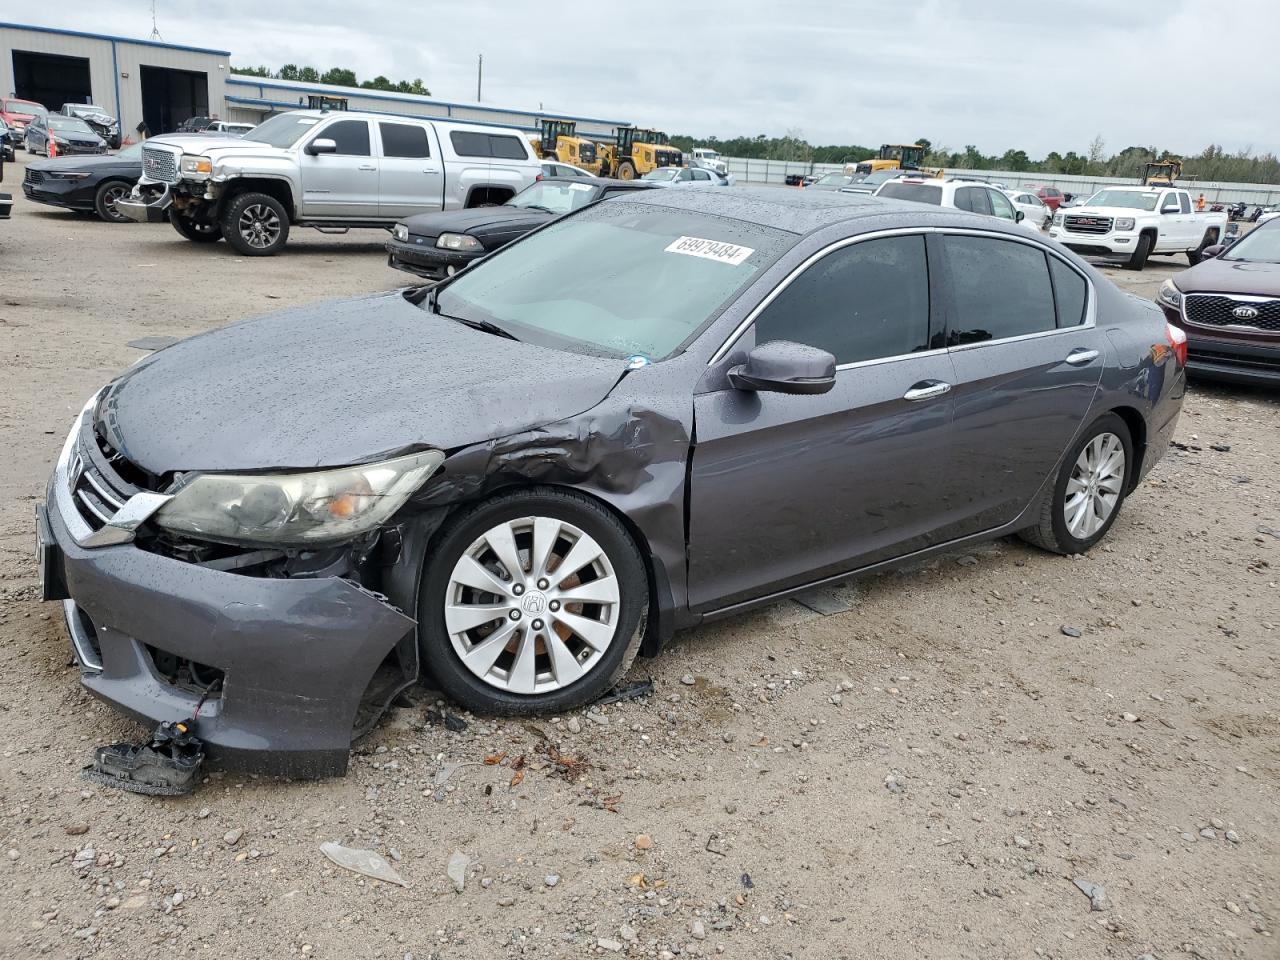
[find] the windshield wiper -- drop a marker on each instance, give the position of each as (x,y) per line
(534,206)
(487,326)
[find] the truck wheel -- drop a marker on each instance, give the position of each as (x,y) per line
(198,231)
(104,201)
(626,170)
(1196,255)
(1139,258)
(255,224)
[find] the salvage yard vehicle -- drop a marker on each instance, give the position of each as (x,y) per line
(230,129)
(871,182)
(832,181)
(685,176)
(1035,210)
(1161,173)
(959,192)
(68,136)
(1229,307)
(101,122)
(87,184)
(709,159)
(552,168)
(438,245)
(17,114)
(1129,224)
(494,482)
(892,156)
(332,171)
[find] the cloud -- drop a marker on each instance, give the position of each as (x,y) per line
(999,74)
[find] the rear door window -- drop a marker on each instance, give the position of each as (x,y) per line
(973,199)
(999,289)
(867,301)
(1184,201)
(1001,206)
(404,140)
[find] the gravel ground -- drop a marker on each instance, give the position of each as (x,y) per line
(944,770)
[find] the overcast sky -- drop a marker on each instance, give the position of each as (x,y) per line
(1035,75)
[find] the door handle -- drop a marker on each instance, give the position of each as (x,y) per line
(432,173)
(927,390)
(367,166)
(1079,357)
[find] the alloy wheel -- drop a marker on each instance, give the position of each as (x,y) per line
(259,225)
(1093,489)
(112,196)
(532,605)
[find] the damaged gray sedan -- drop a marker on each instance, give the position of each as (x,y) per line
(658,410)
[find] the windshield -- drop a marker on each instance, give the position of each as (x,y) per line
(834,179)
(74,124)
(1260,245)
(919,192)
(282,130)
(880,176)
(618,279)
(1129,199)
(554,197)
(662,173)
(708,155)
(24,108)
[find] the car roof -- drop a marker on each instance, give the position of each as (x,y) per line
(803,211)
(599,181)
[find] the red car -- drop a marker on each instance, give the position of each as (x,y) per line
(17,114)
(1051,196)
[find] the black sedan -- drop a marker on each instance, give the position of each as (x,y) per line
(85,183)
(69,134)
(438,245)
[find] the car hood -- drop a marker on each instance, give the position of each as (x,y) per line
(100,161)
(211,143)
(338,383)
(1231,276)
(76,136)
(101,119)
(477,221)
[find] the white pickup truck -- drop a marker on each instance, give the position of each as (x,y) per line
(331,170)
(1129,224)
(708,159)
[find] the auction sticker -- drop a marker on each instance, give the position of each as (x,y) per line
(716,250)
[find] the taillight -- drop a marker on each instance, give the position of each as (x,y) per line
(1177,341)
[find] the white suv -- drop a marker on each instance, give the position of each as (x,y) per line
(972,195)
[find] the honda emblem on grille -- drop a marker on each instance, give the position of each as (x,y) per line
(1245,313)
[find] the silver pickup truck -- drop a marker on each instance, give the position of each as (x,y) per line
(329,170)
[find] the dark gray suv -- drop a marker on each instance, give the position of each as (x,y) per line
(658,410)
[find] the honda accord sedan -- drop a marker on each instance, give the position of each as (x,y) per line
(658,410)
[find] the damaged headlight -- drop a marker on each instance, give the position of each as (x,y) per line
(458,241)
(296,508)
(400,232)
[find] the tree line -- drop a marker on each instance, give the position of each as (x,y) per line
(335,76)
(1211,164)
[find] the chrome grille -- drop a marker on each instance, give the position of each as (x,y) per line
(160,164)
(1090,225)
(98,492)
(1221,310)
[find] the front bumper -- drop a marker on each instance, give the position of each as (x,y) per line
(57,193)
(1233,362)
(296,655)
(138,208)
(1113,245)
(426,260)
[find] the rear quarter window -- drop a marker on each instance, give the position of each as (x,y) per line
(1070,293)
(498,146)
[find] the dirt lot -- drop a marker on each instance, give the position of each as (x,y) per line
(922,776)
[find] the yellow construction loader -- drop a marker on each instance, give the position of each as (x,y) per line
(560,141)
(637,151)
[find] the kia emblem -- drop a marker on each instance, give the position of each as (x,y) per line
(1245,313)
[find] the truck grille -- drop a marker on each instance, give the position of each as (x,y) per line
(1092,225)
(1217,310)
(160,165)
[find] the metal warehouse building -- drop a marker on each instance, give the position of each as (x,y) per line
(165,83)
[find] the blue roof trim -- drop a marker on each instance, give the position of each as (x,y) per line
(285,105)
(106,36)
(251,81)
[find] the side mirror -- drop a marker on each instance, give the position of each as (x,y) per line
(781,366)
(1171,208)
(322,145)
(1213,250)
(1018,216)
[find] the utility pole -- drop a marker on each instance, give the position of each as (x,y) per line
(479,75)
(155,30)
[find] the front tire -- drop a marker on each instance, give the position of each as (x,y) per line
(626,170)
(197,231)
(533,601)
(1141,253)
(104,201)
(256,225)
(1089,490)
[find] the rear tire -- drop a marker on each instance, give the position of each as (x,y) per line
(1196,255)
(543,660)
(196,231)
(1061,512)
(255,224)
(1141,253)
(104,202)
(626,170)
